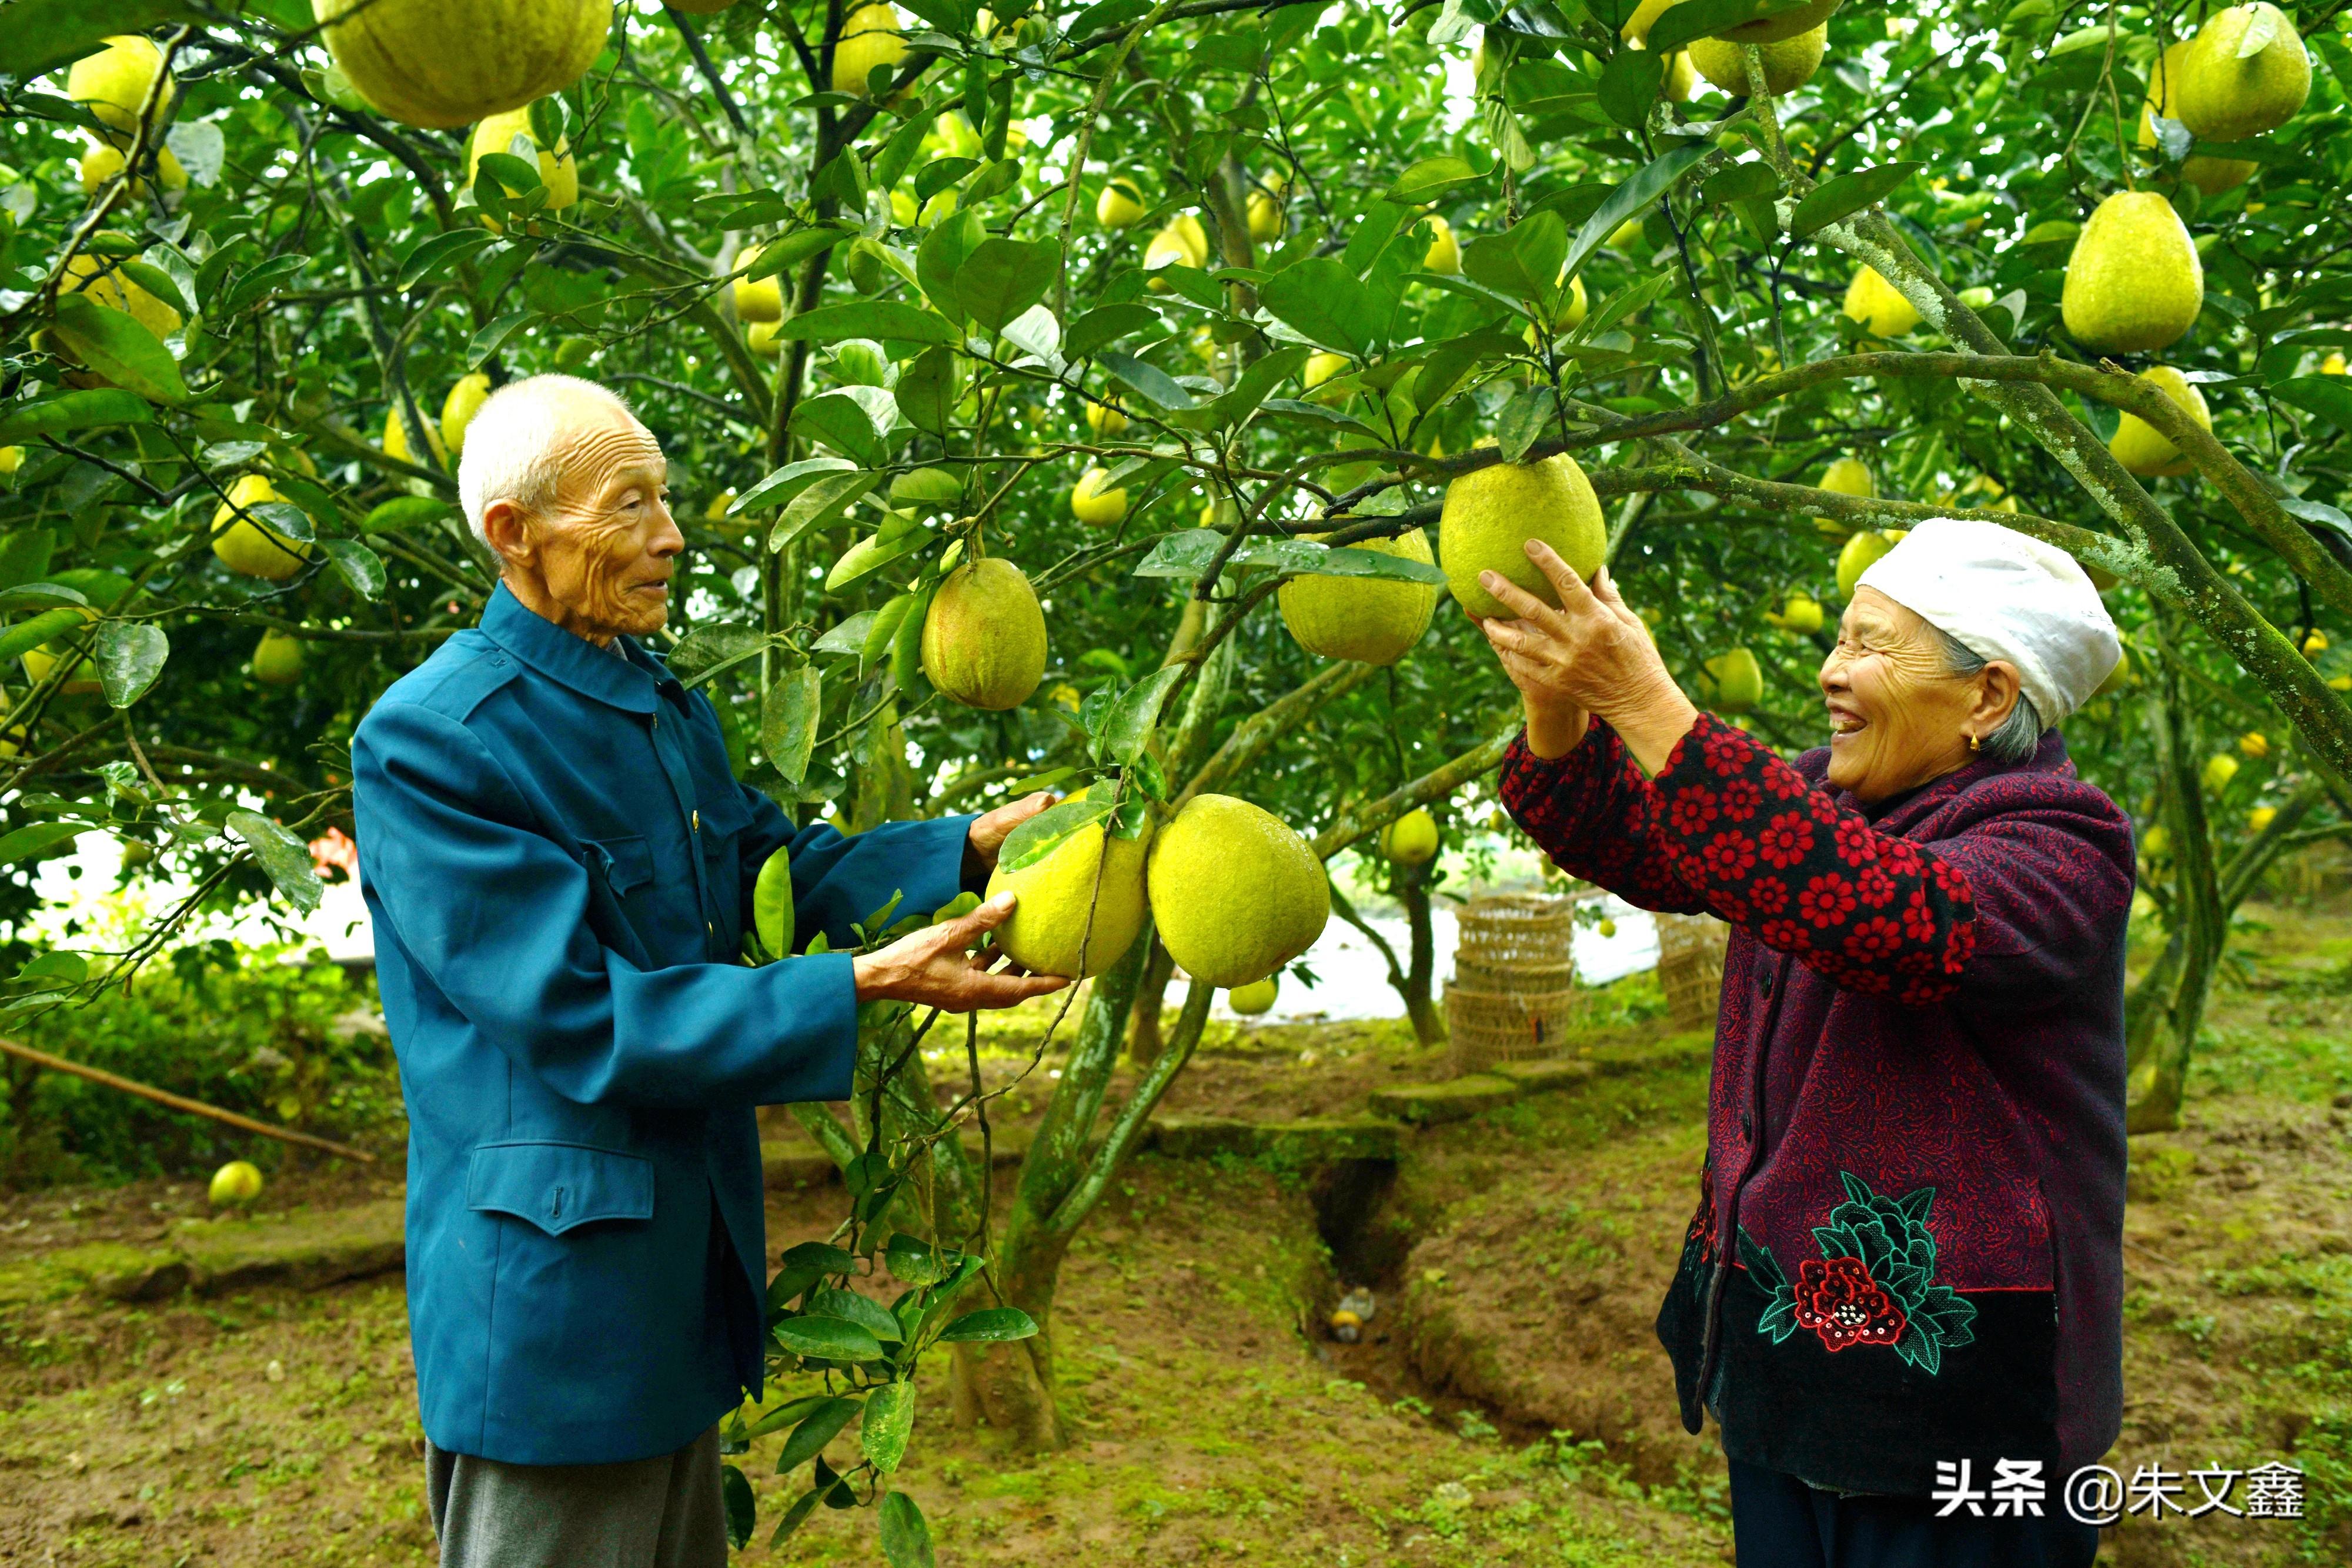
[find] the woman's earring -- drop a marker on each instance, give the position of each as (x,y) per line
(1976,744)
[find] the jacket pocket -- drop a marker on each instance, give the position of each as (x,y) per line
(625,864)
(557,1186)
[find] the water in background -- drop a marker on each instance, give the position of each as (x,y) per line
(1352,978)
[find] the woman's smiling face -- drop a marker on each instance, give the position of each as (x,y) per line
(1898,715)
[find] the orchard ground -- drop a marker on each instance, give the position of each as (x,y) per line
(1508,1404)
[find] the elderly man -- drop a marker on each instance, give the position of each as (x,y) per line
(559,865)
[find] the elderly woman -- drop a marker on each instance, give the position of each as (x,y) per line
(1900,1294)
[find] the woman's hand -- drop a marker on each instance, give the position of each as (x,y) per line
(1591,655)
(931,968)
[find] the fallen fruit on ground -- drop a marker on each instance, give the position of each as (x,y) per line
(1373,620)
(984,637)
(1490,513)
(1236,892)
(234,1185)
(1048,932)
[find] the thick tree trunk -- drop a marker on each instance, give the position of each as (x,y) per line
(2162,1018)
(1010,1388)
(1150,997)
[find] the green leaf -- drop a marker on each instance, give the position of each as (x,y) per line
(820,1258)
(1523,419)
(1634,198)
(54,971)
(492,338)
(926,487)
(890,1422)
(743,1508)
(1003,277)
(784,483)
(25,842)
(43,34)
(1523,262)
(788,721)
(928,390)
(809,1438)
(1630,83)
(2327,396)
(1155,385)
(906,1535)
(941,253)
(772,915)
(284,857)
(911,1259)
(72,410)
(708,649)
(879,318)
(1136,714)
(828,1338)
(871,554)
(117,347)
(442,250)
(1108,324)
(1847,194)
(130,656)
(50,594)
(406,512)
(26,635)
(851,1307)
(794,1517)
(1709,18)
(990,1325)
(853,421)
(1322,300)
(1044,833)
(1430,178)
(1741,181)
(793,248)
(358,566)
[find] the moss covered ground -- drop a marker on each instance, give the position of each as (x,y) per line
(1506,1404)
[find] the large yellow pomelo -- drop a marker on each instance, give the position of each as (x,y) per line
(1255,997)
(2228,95)
(1266,221)
(113,83)
(1490,513)
(251,548)
(81,675)
(1770,30)
(1737,680)
(1444,252)
(1093,505)
(1788,63)
(2209,175)
(103,162)
(757,298)
(1879,306)
(1855,558)
(1374,620)
(1105,418)
(2136,443)
(984,636)
(2134,284)
(869,37)
(395,438)
(1048,933)
(459,409)
(556,171)
(446,63)
(1236,894)
(1411,840)
(278,659)
(1321,367)
(1121,205)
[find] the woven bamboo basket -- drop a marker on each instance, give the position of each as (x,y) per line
(1514,990)
(1690,967)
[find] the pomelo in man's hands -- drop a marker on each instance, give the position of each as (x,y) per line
(1048,932)
(771,904)
(1236,892)
(1491,512)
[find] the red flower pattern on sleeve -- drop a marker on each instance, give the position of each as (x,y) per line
(1729,828)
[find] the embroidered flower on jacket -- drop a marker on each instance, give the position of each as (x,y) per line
(1769,896)
(1837,1299)
(1826,900)
(1728,855)
(1741,799)
(1690,811)
(1873,1284)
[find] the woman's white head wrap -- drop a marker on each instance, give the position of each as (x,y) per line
(2006,596)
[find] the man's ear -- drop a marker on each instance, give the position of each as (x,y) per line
(508,528)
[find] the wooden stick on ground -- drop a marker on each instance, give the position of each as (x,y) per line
(180,1102)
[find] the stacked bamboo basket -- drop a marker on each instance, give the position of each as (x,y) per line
(1690,967)
(1514,990)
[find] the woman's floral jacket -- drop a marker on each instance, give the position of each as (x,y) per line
(1907,1247)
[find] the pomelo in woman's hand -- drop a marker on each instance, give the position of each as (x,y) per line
(1491,513)
(1236,892)
(234,1185)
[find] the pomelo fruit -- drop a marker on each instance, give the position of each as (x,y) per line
(440,64)
(278,659)
(2134,284)
(1236,894)
(234,1185)
(1374,620)
(1411,840)
(249,547)
(2136,443)
(984,637)
(1490,513)
(1255,997)
(1048,933)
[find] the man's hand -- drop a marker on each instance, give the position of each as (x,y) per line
(932,969)
(991,829)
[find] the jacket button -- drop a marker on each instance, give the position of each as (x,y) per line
(698,821)
(1746,1123)
(1764,982)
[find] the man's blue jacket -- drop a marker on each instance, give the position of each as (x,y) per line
(560,864)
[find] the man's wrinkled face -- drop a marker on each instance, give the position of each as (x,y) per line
(601,557)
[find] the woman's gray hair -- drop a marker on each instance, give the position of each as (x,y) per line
(514,445)
(2020,735)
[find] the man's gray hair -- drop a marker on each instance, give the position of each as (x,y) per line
(514,441)
(2020,735)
